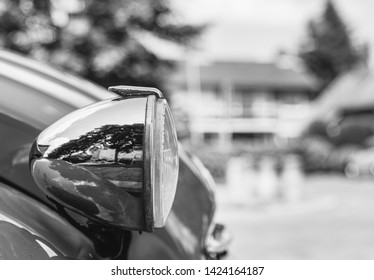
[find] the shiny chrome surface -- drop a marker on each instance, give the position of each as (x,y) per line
(218,243)
(115,161)
(30,230)
(126,91)
(91,161)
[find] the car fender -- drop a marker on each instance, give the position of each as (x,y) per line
(187,226)
(30,230)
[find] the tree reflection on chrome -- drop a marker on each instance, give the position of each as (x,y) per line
(108,143)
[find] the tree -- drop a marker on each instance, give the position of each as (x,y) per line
(329,49)
(98,39)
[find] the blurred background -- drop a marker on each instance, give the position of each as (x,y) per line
(276,97)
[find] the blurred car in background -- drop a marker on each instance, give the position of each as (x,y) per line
(343,144)
(360,163)
(101,201)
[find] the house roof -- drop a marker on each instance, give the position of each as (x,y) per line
(350,91)
(251,75)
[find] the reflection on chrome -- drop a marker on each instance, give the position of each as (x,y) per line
(114,162)
(103,144)
(92,162)
(117,147)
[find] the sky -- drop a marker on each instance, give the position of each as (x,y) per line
(255,30)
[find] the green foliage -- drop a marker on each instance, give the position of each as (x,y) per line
(329,49)
(98,39)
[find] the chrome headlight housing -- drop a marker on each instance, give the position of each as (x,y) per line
(115,162)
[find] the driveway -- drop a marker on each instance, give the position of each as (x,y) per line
(332,218)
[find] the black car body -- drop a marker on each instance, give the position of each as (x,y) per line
(32,226)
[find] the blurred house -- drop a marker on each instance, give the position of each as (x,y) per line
(242,100)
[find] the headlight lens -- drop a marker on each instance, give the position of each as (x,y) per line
(164,160)
(168,167)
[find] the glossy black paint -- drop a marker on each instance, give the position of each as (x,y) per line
(30,230)
(187,226)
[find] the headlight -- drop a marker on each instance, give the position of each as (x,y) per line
(115,162)
(162,157)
